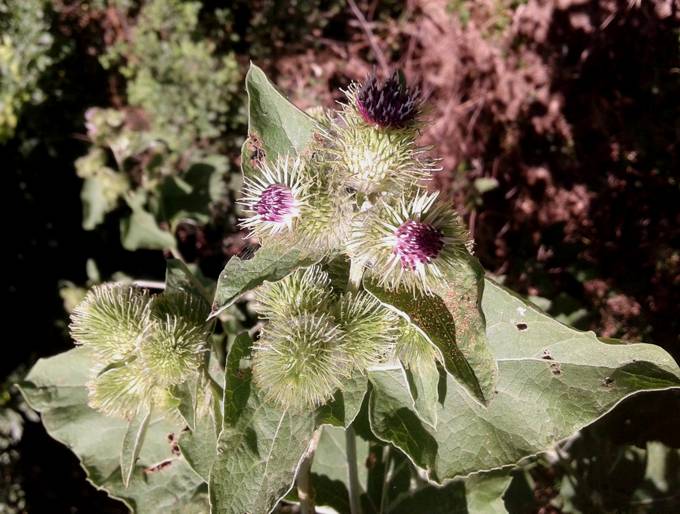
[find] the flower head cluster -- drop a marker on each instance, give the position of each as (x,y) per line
(142,345)
(314,339)
(357,196)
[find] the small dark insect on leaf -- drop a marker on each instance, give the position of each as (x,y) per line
(555,368)
(521,326)
(257,154)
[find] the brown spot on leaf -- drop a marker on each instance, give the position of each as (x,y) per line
(555,368)
(546,355)
(522,326)
(607,381)
(158,467)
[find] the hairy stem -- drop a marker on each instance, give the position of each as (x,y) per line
(356,271)
(354,487)
(304,483)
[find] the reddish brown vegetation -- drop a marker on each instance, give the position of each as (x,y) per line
(571,106)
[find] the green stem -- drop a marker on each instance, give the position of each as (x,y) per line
(356,272)
(354,487)
(387,475)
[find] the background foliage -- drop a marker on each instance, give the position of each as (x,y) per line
(120,127)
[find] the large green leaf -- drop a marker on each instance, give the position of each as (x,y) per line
(478,494)
(160,482)
(329,469)
(423,381)
(389,484)
(271,263)
(199,444)
(452,320)
(346,403)
(553,381)
(260,446)
(275,126)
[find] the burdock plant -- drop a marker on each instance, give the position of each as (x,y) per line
(382,363)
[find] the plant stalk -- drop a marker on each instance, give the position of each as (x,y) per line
(304,483)
(356,272)
(354,487)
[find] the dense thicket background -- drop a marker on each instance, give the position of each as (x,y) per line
(557,124)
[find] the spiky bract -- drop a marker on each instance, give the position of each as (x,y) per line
(325,222)
(110,320)
(374,161)
(120,391)
(412,348)
(370,329)
(172,350)
(274,197)
(192,309)
(414,244)
(306,290)
(389,103)
(299,362)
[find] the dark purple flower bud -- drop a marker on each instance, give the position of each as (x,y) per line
(276,204)
(417,243)
(388,104)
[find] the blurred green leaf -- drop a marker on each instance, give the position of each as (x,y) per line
(140,231)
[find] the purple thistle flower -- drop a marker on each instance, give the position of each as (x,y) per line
(276,204)
(417,243)
(387,104)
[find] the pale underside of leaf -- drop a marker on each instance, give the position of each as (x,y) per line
(161,482)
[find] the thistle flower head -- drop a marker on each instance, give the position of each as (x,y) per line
(172,350)
(414,244)
(389,103)
(370,329)
(306,290)
(120,391)
(110,320)
(299,362)
(274,197)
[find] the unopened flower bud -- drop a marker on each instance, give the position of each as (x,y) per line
(370,329)
(390,103)
(299,362)
(110,320)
